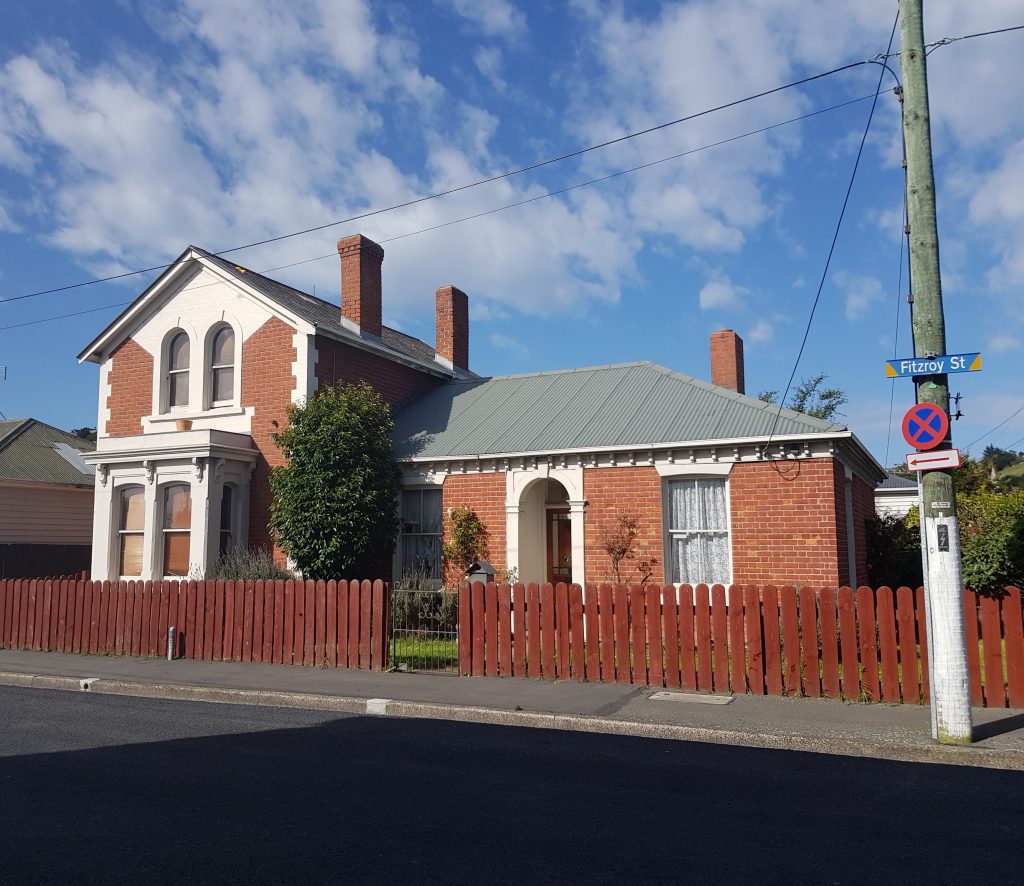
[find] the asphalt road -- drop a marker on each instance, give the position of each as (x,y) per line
(107,789)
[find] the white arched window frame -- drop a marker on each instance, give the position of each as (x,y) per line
(175,522)
(131,531)
(221,378)
(176,360)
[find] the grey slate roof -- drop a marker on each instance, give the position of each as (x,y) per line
(30,450)
(893,481)
(322,314)
(603,406)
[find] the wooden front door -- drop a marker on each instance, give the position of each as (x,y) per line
(559,546)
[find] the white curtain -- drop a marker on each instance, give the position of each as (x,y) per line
(699,530)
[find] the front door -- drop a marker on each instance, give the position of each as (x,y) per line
(559,546)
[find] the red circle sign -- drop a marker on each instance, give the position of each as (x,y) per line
(925,426)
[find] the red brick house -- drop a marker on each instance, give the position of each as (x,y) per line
(198,372)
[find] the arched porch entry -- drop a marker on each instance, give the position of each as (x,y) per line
(544,520)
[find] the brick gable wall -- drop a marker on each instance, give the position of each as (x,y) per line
(131,389)
(785,525)
(397,383)
(267,384)
(485,494)
(615,492)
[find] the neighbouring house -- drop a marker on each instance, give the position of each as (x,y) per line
(198,372)
(46,500)
(895,496)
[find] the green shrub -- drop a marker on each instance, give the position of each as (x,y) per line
(247,564)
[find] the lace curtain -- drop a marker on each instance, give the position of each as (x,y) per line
(699,531)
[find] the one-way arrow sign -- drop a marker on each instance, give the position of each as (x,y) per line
(933,461)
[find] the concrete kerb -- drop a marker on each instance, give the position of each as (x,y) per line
(957,756)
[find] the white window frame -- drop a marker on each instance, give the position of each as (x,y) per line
(119,533)
(402,534)
(685,473)
(162,531)
(166,371)
(233,517)
(208,366)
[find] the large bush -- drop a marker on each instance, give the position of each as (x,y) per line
(334,509)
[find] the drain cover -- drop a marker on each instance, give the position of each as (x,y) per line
(691,698)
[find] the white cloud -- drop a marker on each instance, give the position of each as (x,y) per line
(720,294)
(494,18)
(488,61)
(1001,343)
(762,331)
(861,293)
(509,344)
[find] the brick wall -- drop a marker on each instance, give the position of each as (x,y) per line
(485,494)
(398,384)
(615,492)
(131,389)
(785,526)
(267,384)
(863,510)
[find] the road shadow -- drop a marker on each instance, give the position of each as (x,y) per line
(998,727)
(383,800)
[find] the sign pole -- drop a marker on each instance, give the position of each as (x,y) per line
(950,692)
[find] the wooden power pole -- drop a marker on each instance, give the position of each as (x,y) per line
(940,533)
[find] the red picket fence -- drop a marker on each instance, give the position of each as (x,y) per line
(858,645)
(333,624)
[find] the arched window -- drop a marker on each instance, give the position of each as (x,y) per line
(222,366)
(177,371)
(130,531)
(177,526)
(227,519)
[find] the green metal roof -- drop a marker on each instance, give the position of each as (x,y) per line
(38,453)
(630,404)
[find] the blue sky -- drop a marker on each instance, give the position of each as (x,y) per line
(130,129)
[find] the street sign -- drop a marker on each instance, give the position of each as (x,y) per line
(934,461)
(941,365)
(925,426)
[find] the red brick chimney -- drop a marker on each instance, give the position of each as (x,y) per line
(727,360)
(452,340)
(361,259)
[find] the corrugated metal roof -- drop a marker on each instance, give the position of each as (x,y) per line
(322,314)
(30,451)
(603,406)
(894,481)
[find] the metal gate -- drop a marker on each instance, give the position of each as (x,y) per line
(425,631)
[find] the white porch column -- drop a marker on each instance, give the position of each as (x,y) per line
(577,509)
(512,512)
(152,546)
(199,541)
(102,528)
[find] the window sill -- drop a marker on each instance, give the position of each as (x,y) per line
(216,412)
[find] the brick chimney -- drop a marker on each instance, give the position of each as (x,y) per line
(727,360)
(452,339)
(361,259)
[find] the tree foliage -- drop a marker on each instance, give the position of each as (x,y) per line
(334,507)
(465,542)
(811,398)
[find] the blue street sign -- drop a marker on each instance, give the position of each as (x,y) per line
(941,365)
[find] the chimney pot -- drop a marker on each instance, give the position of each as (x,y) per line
(361,261)
(452,340)
(727,360)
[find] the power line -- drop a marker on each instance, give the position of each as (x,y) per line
(835,238)
(497,209)
(498,177)
(1019,410)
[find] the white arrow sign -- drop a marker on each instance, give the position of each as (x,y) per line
(934,460)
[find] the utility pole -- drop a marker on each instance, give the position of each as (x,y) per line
(940,532)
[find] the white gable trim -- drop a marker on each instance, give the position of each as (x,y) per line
(168,284)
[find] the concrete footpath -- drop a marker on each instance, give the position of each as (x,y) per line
(891,732)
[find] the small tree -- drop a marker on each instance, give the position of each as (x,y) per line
(465,542)
(811,398)
(334,508)
(620,546)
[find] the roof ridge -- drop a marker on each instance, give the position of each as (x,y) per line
(20,426)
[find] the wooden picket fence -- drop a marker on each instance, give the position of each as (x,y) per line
(325,624)
(862,644)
